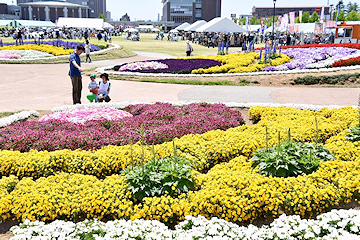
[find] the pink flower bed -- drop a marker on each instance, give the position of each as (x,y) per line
(159,122)
(83,115)
(9,56)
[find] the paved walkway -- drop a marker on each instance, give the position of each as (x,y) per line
(45,86)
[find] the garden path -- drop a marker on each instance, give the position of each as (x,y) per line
(45,86)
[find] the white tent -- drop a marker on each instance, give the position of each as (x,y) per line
(221,24)
(254,28)
(4,23)
(195,25)
(155,30)
(96,23)
(131,30)
(182,26)
(107,25)
(32,23)
(307,27)
(174,31)
(145,27)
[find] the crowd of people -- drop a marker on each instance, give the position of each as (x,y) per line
(243,40)
(59,33)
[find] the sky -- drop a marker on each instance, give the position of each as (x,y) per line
(149,9)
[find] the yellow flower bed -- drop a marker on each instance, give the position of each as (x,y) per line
(239,62)
(231,190)
(205,150)
(57,51)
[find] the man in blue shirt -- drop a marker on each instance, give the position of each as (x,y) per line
(75,73)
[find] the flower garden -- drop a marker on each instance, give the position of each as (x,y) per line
(196,169)
(42,49)
(269,59)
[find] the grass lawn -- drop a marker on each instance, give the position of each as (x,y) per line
(147,44)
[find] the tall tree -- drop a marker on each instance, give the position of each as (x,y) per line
(340,5)
(352,7)
(305,17)
(352,16)
(314,17)
(102,16)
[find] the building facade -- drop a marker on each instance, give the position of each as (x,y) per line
(180,11)
(95,7)
(9,11)
(52,10)
(264,12)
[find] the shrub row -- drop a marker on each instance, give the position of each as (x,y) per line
(333,79)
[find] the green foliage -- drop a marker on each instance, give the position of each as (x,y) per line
(170,176)
(306,17)
(102,16)
(314,17)
(290,159)
(331,79)
(353,16)
(353,134)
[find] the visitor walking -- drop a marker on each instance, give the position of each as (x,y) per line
(87,51)
(189,48)
(75,73)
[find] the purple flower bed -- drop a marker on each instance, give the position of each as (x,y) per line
(159,122)
(312,57)
(58,43)
(180,66)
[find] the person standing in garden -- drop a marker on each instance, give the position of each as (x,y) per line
(75,73)
(189,48)
(87,51)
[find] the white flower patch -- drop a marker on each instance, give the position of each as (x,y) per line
(28,54)
(337,224)
(122,105)
(6,121)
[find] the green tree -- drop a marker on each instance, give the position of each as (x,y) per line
(102,16)
(254,21)
(305,17)
(340,5)
(352,16)
(341,16)
(314,17)
(297,20)
(352,7)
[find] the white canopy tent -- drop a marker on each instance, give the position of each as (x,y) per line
(4,23)
(107,25)
(254,28)
(32,23)
(155,30)
(96,23)
(221,24)
(145,27)
(182,26)
(307,27)
(174,31)
(131,30)
(195,26)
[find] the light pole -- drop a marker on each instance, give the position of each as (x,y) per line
(273,30)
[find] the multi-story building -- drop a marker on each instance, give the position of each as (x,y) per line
(89,8)
(9,11)
(263,12)
(181,11)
